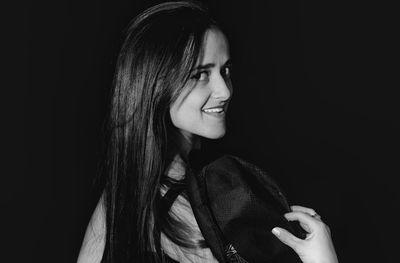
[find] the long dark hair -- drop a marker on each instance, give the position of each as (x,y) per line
(161,49)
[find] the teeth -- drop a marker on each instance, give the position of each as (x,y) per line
(214,110)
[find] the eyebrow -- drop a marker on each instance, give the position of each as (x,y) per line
(211,65)
(206,66)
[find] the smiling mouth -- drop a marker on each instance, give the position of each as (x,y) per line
(216,112)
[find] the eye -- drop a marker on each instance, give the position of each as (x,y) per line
(226,71)
(202,75)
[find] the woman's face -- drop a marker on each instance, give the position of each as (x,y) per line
(201,110)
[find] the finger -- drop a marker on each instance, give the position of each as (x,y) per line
(305,227)
(305,220)
(298,208)
(286,237)
(317,216)
(307,210)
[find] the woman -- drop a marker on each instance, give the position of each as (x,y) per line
(172,87)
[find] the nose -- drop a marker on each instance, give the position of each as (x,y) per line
(221,88)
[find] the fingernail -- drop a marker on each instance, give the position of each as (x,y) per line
(276,231)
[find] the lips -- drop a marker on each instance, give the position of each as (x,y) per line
(216,111)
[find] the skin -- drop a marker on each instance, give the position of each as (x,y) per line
(209,86)
(317,247)
(212,87)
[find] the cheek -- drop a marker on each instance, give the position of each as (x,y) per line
(174,114)
(197,98)
(193,106)
(186,111)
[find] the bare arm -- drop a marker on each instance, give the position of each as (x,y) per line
(93,243)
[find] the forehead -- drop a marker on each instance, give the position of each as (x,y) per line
(215,47)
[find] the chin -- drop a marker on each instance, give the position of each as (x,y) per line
(214,134)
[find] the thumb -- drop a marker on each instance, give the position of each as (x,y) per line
(286,237)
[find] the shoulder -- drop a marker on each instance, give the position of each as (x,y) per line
(182,211)
(93,243)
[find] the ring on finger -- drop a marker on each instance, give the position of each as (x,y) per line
(316,216)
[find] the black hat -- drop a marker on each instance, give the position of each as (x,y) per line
(236,205)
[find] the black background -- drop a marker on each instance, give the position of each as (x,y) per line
(314,104)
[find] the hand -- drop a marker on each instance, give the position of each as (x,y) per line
(317,247)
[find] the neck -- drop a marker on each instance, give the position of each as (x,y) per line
(177,167)
(189,142)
